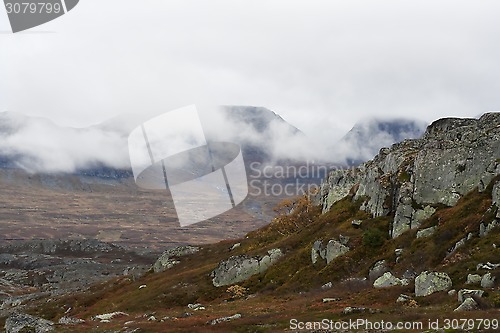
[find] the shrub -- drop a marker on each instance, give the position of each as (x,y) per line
(374,238)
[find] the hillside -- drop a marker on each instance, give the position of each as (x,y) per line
(410,236)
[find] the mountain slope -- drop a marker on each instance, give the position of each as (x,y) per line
(341,260)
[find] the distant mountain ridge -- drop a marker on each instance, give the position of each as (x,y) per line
(39,145)
(368,136)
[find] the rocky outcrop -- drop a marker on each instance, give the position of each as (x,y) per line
(333,249)
(428,283)
(20,322)
(239,268)
(408,179)
(168,259)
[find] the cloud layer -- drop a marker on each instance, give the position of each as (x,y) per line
(322,65)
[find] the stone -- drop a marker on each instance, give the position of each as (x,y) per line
(235,246)
(466,293)
(388,280)
(335,249)
(70,321)
(403,298)
(428,283)
(332,250)
(328,300)
(107,317)
(239,268)
(357,223)
(488,266)
(351,310)
(495,196)
(168,258)
(485,229)
(468,304)
(452,292)
(488,281)
(328,285)
(317,251)
(224,319)
(377,270)
(473,279)
(20,322)
(426,232)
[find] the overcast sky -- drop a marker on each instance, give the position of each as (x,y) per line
(321,65)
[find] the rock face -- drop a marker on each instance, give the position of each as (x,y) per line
(453,157)
(20,322)
(167,259)
(428,283)
(332,250)
(239,268)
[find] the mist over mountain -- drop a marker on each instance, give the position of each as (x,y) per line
(368,136)
(38,145)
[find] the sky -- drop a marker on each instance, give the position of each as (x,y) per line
(321,65)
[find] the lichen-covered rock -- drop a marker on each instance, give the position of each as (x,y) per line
(468,304)
(488,281)
(168,259)
(426,232)
(332,250)
(378,269)
(239,268)
(389,280)
(20,322)
(428,283)
(452,158)
(473,279)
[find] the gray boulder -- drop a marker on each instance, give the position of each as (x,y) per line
(168,258)
(428,283)
(377,270)
(468,304)
(20,322)
(473,279)
(239,268)
(332,250)
(426,232)
(485,229)
(389,280)
(467,293)
(488,281)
